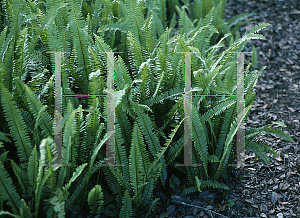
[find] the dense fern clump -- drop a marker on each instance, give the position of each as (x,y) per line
(149,113)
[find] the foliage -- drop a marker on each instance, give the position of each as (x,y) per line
(149,110)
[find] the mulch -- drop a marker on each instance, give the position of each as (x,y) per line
(260,190)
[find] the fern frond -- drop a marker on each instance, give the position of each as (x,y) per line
(17,125)
(35,107)
(45,21)
(8,191)
(229,115)
(135,163)
(20,174)
(175,150)
(258,150)
(135,18)
(228,145)
(32,169)
(126,210)
(80,42)
(146,127)
(42,176)
(95,199)
(24,210)
(189,190)
(202,39)
(200,141)
(252,133)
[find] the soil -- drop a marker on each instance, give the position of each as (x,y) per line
(262,190)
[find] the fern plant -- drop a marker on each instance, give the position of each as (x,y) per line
(149,81)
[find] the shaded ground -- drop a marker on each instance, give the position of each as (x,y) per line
(273,191)
(259,190)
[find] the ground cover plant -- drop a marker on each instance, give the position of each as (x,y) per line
(149,80)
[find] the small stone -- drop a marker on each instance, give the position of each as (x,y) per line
(171,209)
(201,214)
(263,215)
(274,197)
(263,208)
(209,207)
(280,215)
(195,211)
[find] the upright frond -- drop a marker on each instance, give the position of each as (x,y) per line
(17,125)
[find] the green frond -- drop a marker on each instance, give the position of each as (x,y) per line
(251,79)
(58,203)
(258,150)
(135,18)
(8,67)
(202,39)
(136,170)
(80,38)
(175,150)
(238,18)
(152,205)
(75,195)
(124,182)
(113,184)
(53,39)
(136,53)
(92,124)
(35,107)
(229,116)
(172,93)
(228,145)
(125,127)
(4,138)
(21,52)
(42,176)
(95,152)
(102,47)
(20,174)
(152,139)
(32,170)
(17,125)
(238,44)
(2,40)
(184,21)
(8,213)
(95,199)
(45,21)
(149,35)
(200,141)
(76,174)
(24,210)
(208,80)
(229,81)
(8,191)
(208,183)
(189,190)
(120,67)
(148,189)
(144,75)
(147,129)
(66,90)
(254,132)
(126,210)
(3,156)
